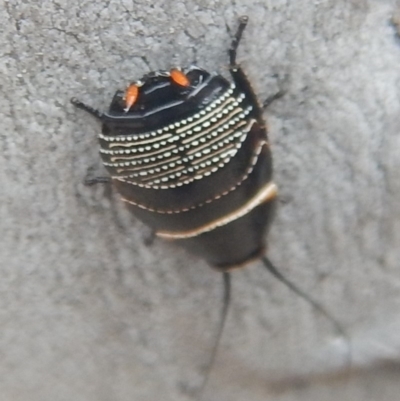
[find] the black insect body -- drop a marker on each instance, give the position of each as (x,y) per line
(189,153)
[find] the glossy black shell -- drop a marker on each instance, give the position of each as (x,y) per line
(193,162)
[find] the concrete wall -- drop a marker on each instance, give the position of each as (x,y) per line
(89,312)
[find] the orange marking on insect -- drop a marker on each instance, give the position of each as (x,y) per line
(131,95)
(179,77)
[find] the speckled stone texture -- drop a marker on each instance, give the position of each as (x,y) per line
(90,312)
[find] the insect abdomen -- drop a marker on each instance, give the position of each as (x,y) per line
(189,153)
(215,197)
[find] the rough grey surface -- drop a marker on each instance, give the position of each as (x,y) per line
(90,313)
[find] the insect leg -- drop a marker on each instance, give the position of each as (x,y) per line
(270,99)
(338,327)
(89,109)
(97,180)
(243,20)
(239,76)
(237,73)
(220,329)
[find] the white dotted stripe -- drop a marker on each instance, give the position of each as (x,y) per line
(230,115)
(155,184)
(220,124)
(237,137)
(208,165)
(225,134)
(215,114)
(212,135)
(163,139)
(169,175)
(202,156)
(244,177)
(152,140)
(156,145)
(209,108)
(137,166)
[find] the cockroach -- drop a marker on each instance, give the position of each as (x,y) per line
(189,153)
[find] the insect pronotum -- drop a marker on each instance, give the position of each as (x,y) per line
(189,153)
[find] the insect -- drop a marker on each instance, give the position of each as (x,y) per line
(189,153)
